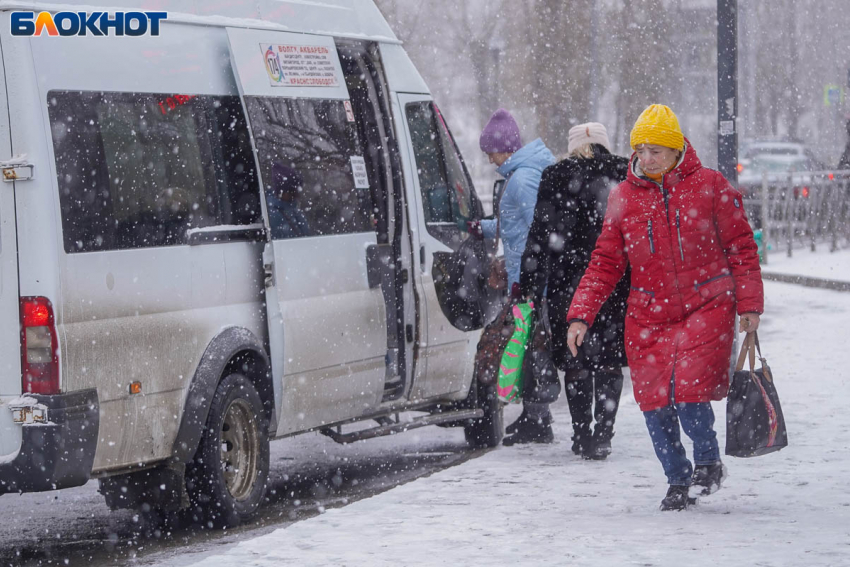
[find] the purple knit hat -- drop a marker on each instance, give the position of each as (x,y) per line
(501,134)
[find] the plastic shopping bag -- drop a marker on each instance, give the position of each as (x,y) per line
(509,387)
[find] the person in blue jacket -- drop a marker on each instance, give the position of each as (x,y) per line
(286,219)
(522,167)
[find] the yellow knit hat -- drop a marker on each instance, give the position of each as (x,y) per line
(658,125)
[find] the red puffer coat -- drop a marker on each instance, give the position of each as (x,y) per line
(693,257)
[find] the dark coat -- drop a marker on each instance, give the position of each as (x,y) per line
(694,261)
(568,219)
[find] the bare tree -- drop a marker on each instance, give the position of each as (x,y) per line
(646,71)
(547,67)
(540,59)
(474,34)
(404,18)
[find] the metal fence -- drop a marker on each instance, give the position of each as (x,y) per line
(800,210)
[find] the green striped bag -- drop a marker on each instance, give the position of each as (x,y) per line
(509,387)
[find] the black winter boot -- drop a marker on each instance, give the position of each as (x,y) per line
(707,479)
(600,447)
(677,499)
(531,431)
(512,428)
(582,440)
(580,400)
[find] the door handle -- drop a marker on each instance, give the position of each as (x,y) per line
(379,264)
(422,256)
(268,270)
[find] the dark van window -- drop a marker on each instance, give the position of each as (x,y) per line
(448,197)
(308,150)
(363,77)
(433,181)
(461,189)
(139,170)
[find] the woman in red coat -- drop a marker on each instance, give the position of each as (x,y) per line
(694,261)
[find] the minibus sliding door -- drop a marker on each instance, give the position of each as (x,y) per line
(326,312)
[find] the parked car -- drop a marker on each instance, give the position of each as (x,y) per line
(787,175)
(754,148)
(777,167)
(156,330)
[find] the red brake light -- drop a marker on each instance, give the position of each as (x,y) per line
(740,167)
(831,176)
(39,347)
(36,314)
(805,191)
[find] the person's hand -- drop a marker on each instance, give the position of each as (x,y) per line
(516,292)
(474,228)
(575,336)
(749,323)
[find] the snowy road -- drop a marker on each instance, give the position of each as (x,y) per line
(309,474)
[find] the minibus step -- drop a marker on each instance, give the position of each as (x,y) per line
(398,427)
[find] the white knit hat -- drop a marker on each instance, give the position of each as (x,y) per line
(588,133)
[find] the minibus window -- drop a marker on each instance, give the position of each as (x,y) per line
(157,179)
(460,182)
(362,78)
(307,150)
(448,197)
(430,166)
(138,170)
(233,158)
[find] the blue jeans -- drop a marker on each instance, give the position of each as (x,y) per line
(697,420)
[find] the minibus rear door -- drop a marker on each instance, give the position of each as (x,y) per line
(10,345)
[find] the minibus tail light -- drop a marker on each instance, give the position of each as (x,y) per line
(39,347)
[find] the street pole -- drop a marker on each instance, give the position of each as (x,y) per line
(727,106)
(727,89)
(750,42)
(594,65)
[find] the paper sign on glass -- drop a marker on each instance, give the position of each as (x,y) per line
(358,169)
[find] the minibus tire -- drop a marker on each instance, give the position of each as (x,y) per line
(488,430)
(221,494)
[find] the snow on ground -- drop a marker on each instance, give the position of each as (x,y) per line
(541,505)
(819,264)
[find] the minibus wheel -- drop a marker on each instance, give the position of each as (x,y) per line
(486,431)
(227,478)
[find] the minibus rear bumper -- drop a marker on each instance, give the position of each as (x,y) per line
(59,452)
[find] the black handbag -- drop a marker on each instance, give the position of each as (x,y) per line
(755,425)
(539,371)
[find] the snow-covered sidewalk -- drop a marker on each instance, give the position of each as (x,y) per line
(541,505)
(821,264)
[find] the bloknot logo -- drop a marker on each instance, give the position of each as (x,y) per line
(64,24)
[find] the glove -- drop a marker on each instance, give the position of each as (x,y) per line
(474,228)
(516,292)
